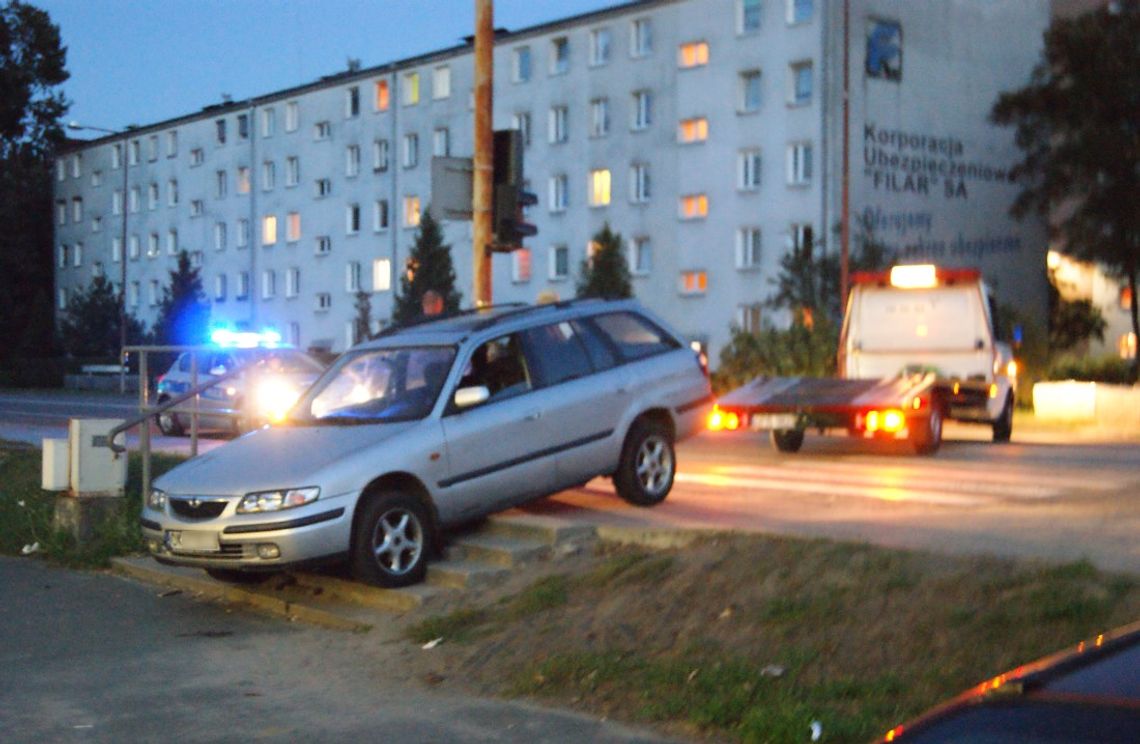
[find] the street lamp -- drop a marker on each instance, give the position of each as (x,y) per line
(122,252)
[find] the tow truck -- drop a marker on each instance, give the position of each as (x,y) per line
(917,347)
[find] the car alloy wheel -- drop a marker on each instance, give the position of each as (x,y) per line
(654,465)
(645,473)
(397,541)
(391,540)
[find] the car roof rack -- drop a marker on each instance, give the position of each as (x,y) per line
(527,309)
(425,319)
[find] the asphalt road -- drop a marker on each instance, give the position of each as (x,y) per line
(95,658)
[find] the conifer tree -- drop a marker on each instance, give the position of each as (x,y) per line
(89,326)
(184,313)
(428,267)
(606,274)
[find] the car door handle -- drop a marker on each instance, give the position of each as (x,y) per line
(533,416)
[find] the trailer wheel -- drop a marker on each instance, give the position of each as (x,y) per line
(928,438)
(787,440)
(1003,426)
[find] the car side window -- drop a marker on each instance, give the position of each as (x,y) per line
(556,354)
(499,366)
(601,354)
(634,336)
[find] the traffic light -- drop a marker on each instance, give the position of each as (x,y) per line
(508,222)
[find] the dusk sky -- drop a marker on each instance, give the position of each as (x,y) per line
(143,61)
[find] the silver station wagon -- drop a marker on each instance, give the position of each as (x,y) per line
(432,425)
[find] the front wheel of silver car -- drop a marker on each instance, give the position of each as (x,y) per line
(390,540)
(648,463)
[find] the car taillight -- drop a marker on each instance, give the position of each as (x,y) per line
(703,360)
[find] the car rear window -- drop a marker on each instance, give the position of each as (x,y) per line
(555,353)
(601,354)
(634,336)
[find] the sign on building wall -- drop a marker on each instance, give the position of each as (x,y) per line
(884,50)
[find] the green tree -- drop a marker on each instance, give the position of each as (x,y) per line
(32,66)
(1076,123)
(428,267)
(1072,322)
(606,274)
(89,327)
(362,322)
(184,313)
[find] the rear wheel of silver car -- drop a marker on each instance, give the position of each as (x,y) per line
(390,540)
(168,422)
(648,463)
(234,576)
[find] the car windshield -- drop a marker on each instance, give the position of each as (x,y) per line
(378,385)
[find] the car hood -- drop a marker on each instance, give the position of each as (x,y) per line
(276,457)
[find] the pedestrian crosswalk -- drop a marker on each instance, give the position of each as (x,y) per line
(953,484)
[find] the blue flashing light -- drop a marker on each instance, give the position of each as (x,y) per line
(230,339)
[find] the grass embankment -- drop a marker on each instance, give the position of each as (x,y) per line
(26,511)
(755,638)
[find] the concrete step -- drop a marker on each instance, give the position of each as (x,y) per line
(462,574)
(497,550)
(544,529)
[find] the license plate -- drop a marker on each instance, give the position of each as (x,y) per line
(195,541)
(765,421)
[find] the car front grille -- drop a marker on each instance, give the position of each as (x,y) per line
(195,508)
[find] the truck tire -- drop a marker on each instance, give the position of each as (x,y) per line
(928,437)
(787,440)
(644,475)
(1003,425)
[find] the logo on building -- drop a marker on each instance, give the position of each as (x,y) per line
(884,50)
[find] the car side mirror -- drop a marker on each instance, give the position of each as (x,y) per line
(471,396)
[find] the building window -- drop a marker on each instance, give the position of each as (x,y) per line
(133,292)
(60,169)
(748,99)
(77,206)
(220,184)
(133,247)
(219,236)
(559,56)
(243,126)
(269,230)
(558,124)
(749,317)
(381,96)
(748,170)
(599,187)
(411,150)
(133,153)
(292,116)
(117,156)
(323,302)
(381,274)
(243,233)
(268,175)
(694,206)
(96,224)
(640,38)
(268,122)
(322,130)
(441,143)
(558,193)
(152,247)
(521,122)
(559,263)
(243,285)
(799,163)
(352,161)
(172,242)
(220,131)
(352,102)
(411,211)
(62,301)
(243,179)
(77,162)
(800,237)
(599,117)
(197,208)
(693,130)
(96,178)
(152,148)
(324,245)
(62,263)
(197,156)
(220,288)
(441,82)
(293,227)
(295,334)
(694,282)
(292,171)
(748,16)
(800,11)
(380,215)
(172,193)
(77,255)
(411,88)
(748,248)
(116,249)
(268,284)
(642,110)
(800,80)
(380,155)
(599,46)
(352,277)
(640,256)
(639,183)
(352,219)
(323,187)
(133,200)
(520,64)
(155,293)
(292,282)
(693,54)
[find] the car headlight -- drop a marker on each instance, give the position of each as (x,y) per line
(156,500)
(273,398)
(270,501)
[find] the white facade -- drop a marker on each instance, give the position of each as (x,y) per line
(707,132)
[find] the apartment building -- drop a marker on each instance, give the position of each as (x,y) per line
(709,133)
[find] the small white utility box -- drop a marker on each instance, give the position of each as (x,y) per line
(94,468)
(56,465)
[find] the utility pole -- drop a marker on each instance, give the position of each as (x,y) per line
(845,209)
(483,178)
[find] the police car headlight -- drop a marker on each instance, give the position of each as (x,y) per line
(274,397)
(271,501)
(156,500)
